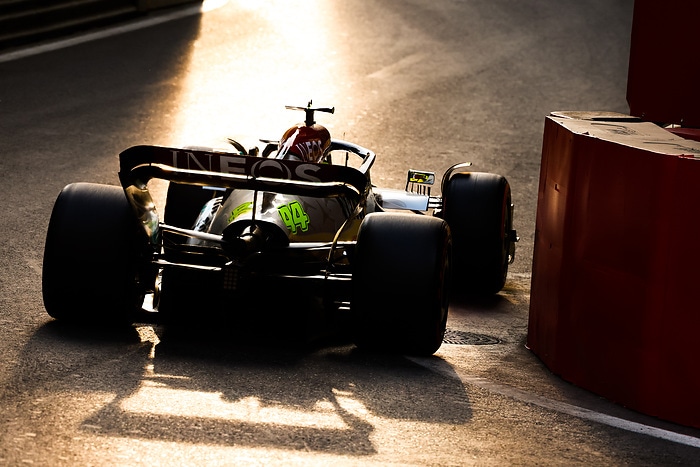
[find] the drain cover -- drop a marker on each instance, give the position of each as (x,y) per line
(468,338)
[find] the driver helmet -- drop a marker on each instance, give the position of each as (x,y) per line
(305,142)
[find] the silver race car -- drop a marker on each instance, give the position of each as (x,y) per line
(295,231)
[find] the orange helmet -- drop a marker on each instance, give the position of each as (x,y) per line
(308,141)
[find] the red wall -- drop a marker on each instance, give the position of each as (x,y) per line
(613,301)
(663,83)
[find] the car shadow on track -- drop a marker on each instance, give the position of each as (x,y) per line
(328,397)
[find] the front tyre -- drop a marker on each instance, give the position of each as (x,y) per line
(477,207)
(91,256)
(400,284)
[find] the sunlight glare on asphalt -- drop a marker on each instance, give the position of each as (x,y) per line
(209,5)
(155,398)
(274,53)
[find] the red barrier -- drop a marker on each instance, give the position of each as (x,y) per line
(613,306)
(662,81)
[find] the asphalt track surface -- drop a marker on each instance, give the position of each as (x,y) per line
(425,84)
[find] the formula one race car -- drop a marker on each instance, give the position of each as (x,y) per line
(297,229)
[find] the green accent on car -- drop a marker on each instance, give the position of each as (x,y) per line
(294,216)
(240,209)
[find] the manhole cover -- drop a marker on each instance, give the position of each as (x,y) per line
(468,338)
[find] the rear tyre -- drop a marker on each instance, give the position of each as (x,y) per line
(477,207)
(400,284)
(92,256)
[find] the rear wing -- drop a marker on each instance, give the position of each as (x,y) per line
(140,164)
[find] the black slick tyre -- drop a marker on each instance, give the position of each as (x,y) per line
(477,207)
(400,285)
(92,256)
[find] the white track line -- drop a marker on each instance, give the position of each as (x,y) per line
(206,6)
(561,407)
